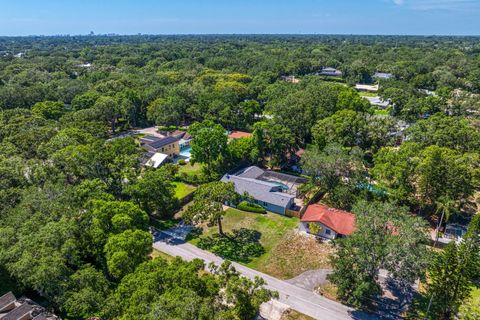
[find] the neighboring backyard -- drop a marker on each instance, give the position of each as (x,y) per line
(287,253)
(190,169)
(182,189)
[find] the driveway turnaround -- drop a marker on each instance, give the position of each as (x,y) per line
(297,298)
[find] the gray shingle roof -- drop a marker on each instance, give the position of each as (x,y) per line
(260,190)
(6,301)
(250,172)
(163,142)
(20,312)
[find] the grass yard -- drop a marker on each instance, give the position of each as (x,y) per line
(381,112)
(182,189)
(191,170)
(368,94)
(291,314)
(287,254)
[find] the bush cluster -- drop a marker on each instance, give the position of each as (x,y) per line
(251,207)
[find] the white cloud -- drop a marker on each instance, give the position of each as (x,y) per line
(399,2)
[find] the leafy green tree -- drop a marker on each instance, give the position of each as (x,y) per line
(169,111)
(445,131)
(85,101)
(49,109)
(126,250)
(208,204)
(178,290)
(274,141)
(441,173)
(86,292)
(329,167)
(209,142)
(154,193)
(452,273)
(394,170)
(110,217)
(386,237)
(108,110)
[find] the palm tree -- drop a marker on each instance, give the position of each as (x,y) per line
(446,205)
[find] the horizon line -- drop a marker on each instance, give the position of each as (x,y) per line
(112,34)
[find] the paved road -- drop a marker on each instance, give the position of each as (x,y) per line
(297,298)
(310,279)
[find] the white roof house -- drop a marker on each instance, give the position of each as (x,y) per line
(366,87)
(155,159)
(377,101)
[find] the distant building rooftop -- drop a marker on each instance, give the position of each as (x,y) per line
(332,72)
(163,142)
(383,75)
(239,134)
(12,308)
(366,87)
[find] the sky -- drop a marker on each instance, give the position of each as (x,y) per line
(405,17)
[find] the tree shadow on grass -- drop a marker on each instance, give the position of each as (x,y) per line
(241,245)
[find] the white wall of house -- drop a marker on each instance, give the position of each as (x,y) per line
(325,231)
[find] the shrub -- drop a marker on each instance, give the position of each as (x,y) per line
(251,207)
(182,162)
(240,245)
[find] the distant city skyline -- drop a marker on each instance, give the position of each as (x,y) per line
(384,17)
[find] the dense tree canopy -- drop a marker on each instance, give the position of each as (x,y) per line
(75,200)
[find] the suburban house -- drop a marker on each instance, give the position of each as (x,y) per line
(184,138)
(366,87)
(331,72)
(290,79)
(239,134)
(333,223)
(12,308)
(382,75)
(378,102)
(168,146)
(148,139)
(276,192)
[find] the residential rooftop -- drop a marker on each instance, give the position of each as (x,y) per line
(342,222)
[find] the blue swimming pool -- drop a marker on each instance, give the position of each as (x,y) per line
(186,152)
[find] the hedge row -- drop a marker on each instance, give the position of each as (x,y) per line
(251,207)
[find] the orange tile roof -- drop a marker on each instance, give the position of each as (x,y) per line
(340,221)
(239,134)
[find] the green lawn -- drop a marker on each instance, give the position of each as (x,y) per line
(273,228)
(381,112)
(182,190)
(287,254)
(191,170)
(368,94)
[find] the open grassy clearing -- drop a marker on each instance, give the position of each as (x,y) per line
(182,189)
(368,94)
(287,254)
(190,169)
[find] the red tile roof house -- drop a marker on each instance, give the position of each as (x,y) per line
(334,223)
(239,134)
